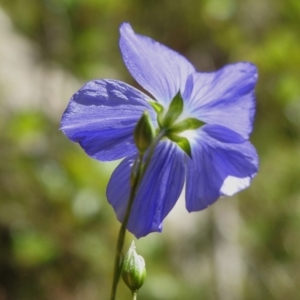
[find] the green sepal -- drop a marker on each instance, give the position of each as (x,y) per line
(182,142)
(156,106)
(144,132)
(187,124)
(159,109)
(174,111)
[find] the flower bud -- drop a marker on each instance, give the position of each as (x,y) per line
(144,132)
(134,269)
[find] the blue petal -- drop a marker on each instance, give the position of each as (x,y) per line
(223,134)
(158,69)
(158,193)
(101,117)
(221,165)
(225,97)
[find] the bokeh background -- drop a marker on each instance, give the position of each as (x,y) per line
(57,231)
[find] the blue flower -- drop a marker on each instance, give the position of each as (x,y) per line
(102,115)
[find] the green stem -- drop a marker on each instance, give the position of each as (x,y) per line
(137,178)
(122,232)
(134,296)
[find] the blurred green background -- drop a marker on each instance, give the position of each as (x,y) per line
(57,231)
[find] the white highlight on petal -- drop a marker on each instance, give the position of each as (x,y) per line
(190,134)
(232,185)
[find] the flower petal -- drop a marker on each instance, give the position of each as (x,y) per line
(225,97)
(223,134)
(101,117)
(221,165)
(158,193)
(158,69)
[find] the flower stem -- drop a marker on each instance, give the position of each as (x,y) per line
(134,296)
(138,172)
(122,232)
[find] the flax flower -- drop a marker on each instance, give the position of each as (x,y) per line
(207,117)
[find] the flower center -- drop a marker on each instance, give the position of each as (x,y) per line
(169,122)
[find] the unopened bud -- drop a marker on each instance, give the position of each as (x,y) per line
(144,132)
(134,269)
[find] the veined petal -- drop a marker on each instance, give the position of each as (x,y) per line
(101,117)
(158,69)
(223,134)
(218,167)
(118,188)
(158,193)
(225,97)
